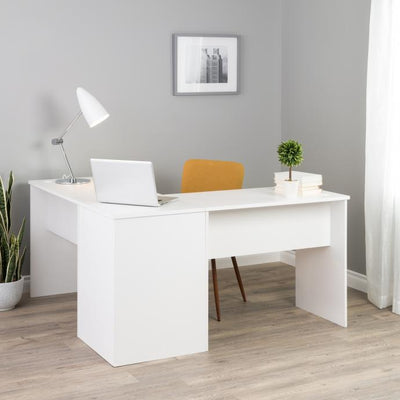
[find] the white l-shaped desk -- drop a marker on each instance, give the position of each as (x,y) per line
(141,273)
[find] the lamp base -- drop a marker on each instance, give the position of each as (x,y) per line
(75,181)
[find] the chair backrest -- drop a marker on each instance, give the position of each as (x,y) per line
(209,175)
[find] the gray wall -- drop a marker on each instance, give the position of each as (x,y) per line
(306,58)
(120,51)
(324,58)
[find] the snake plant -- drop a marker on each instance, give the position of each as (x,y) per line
(11,253)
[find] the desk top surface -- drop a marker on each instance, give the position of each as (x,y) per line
(85,196)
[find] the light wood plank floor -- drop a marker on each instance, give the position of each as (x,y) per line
(265,349)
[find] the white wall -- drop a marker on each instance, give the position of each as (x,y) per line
(313,52)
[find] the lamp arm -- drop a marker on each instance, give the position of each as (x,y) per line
(59,141)
(72,178)
(67,129)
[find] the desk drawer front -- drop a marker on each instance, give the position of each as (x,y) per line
(268,229)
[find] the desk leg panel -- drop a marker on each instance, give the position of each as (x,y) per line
(155,294)
(321,273)
(96,282)
(161,287)
(52,257)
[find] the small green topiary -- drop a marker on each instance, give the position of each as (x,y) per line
(290,154)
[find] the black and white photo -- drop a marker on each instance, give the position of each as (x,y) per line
(205,64)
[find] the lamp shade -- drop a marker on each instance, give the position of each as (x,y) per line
(91,108)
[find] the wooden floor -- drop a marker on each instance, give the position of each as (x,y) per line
(265,349)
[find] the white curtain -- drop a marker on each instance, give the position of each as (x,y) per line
(382,174)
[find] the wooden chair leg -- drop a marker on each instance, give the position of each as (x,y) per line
(238,277)
(215,285)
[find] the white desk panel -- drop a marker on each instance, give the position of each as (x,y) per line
(61,217)
(142,271)
(268,229)
(321,273)
(52,250)
(84,195)
(142,286)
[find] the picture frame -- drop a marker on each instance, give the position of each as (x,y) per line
(205,64)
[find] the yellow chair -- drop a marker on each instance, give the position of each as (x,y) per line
(210,175)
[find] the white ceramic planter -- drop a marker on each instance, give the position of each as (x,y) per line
(290,188)
(10,294)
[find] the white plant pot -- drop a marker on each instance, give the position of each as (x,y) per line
(10,294)
(290,188)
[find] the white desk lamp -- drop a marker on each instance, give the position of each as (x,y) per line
(94,114)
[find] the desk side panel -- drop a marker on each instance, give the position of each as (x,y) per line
(321,274)
(268,229)
(161,287)
(52,255)
(96,305)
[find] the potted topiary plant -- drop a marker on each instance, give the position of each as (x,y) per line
(291,155)
(11,252)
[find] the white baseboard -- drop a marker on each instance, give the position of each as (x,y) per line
(354,279)
(287,257)
(357,281)
(248,260)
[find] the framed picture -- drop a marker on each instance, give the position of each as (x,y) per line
(205,64)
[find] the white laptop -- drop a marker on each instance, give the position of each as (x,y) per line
(126,182)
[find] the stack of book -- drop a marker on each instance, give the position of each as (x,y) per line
(309,184)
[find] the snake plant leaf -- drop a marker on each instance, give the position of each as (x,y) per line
(3,205)
(17,256)
(10,269)
(8,198)
(15,245)
(20,235)
(1,268)
(5,252)
(12,262)
(20,263)
(3,228)
(10,182)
